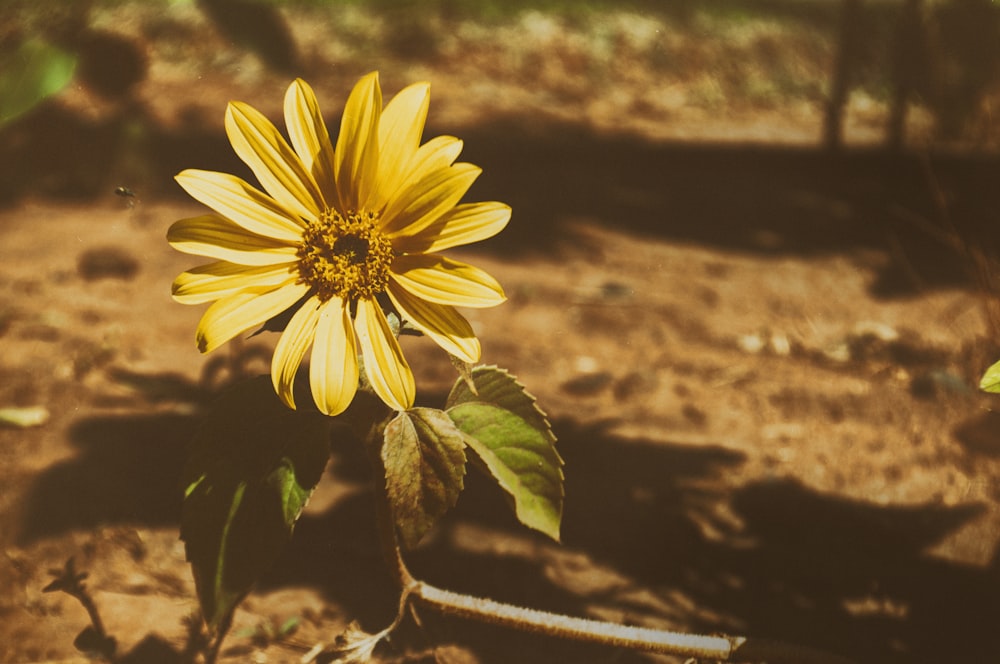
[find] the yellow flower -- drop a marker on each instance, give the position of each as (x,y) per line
(341,234)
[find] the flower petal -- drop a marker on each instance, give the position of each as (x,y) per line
(217,280)
(291,348)
(278,169)
(424,200)
(387,370)
(239,202)
(444,281)
(237,313)
(442,323)
(333,368)
(215,237)
(310,137)
(436,153)
(399,131)
(464,224)
(356,155)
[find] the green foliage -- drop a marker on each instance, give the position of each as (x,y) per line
(498,387)
(424,456)
(424,459)
(266,632)
(30,416)
(253,466)
(990,381)
(520,458)
(29,73)
(512,437)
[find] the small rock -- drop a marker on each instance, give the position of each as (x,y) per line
(777,342)
(107,263)
(634,383)
(751,343)
(614,290)
(876,330)
(587,383)
(694,415)
(840,352)
(780,344)
(937,383)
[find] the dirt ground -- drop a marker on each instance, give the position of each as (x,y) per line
(758,359)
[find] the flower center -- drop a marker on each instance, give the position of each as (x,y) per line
(345,256)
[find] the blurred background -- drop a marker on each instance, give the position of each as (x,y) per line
(751,276)
(119,82)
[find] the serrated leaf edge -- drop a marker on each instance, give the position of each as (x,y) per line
(560,464)
(409,416)
(524,390)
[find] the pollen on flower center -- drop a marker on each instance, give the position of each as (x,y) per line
(345,256)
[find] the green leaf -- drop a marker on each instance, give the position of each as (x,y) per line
(424,458)
(991,379)
(521,457)
(34,70)
(498,387)
(290,626)
(253,466)
(32,416)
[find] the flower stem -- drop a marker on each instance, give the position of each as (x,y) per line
(719,648)
(579,629)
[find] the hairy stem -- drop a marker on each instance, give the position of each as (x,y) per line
(579,629)
(718,648)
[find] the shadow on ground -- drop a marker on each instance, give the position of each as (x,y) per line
(765,199)
(652,530)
